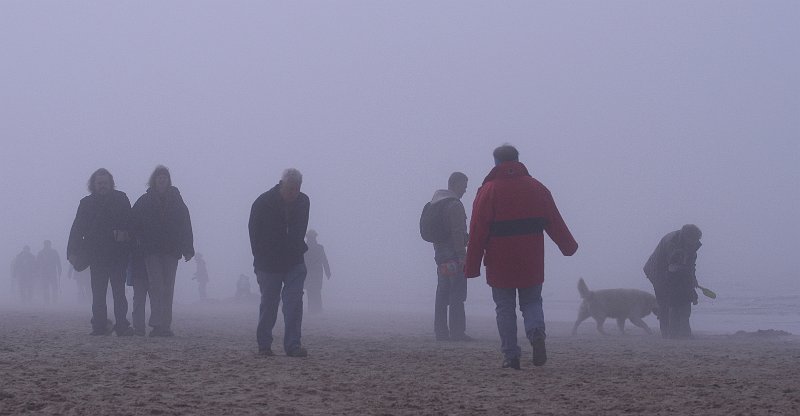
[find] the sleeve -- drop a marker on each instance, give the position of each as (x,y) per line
(299,225)
(254,227)
(187,239)
(325,264)
(457,219)
(78,230)
(557,229)
(482,215)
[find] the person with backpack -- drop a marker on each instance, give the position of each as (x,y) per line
(444,223)
(510,215)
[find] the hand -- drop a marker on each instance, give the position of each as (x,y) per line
(187,257)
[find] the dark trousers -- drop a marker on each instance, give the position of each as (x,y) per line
(449,319)
(102,274)
(674,310)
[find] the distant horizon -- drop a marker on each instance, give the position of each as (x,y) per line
(639,118)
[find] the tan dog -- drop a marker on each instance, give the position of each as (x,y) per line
(620,304)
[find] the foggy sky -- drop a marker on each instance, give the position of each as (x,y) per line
(638,116)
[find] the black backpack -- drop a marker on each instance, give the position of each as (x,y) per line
(432,226)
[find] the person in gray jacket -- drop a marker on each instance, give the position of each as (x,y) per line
(449,323)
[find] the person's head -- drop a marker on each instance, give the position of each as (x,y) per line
(101,182)
(311,234)
(457,183)
(160,179)
(505,153)
(290,184)
(690,234)
(47,244)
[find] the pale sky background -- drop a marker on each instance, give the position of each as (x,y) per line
(639,117)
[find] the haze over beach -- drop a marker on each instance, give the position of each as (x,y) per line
(639,117)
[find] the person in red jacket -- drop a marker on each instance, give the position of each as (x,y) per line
(511,212)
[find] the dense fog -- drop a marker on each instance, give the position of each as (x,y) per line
(639,117)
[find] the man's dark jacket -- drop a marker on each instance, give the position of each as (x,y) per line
(161,225)
(97,218)
(277,231)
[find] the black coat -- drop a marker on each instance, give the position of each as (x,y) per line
(97,218)
(160,224)
(277,231)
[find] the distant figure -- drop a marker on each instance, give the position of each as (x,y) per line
(24,272)
(201,275)
(83,281)
(278,223)
(450,250)
(243,288)
(162,228)
(100,232)
(671,270)
(48,265)
(316,262)
(510,213)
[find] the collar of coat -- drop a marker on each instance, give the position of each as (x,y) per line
(507,170)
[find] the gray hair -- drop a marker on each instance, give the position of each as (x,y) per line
(292,175)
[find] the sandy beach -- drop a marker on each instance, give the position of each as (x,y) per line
(381,364)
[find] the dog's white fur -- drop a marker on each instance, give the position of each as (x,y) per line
(620,304)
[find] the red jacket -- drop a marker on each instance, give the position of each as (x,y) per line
(509,215)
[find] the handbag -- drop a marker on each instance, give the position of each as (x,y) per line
(80,258)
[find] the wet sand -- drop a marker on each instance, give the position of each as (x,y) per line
(381,364)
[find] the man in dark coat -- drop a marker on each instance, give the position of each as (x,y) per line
(316,263)
(671,270)
(278,225)
(510,214)
(48,264)
(100,231)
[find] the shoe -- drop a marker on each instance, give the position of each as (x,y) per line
(266,352)
(511,363)
(461,338)
(297,352)
(442,337)
(127,332)
(139,332)
(539,350)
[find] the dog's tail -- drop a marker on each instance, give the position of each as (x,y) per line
(583,289)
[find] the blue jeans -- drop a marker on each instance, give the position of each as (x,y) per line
(530,303)
(286,286)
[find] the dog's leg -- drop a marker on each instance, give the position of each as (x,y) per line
(621,325)
(583,313)
(600,325)
(641,324)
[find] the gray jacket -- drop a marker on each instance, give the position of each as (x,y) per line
(671,256)
(456,246)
